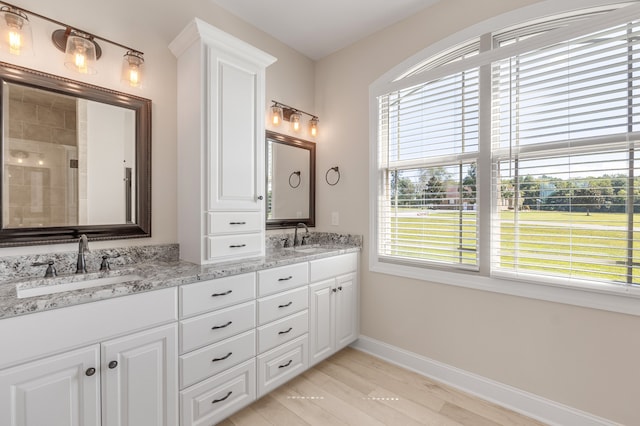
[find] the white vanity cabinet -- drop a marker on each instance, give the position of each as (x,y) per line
(217,348)
(333,305)
(283,325)
(129,379)
(221,104)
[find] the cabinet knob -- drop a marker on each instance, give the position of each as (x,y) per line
(113,364)
(340,288)
(90,371)
(334,290)
(260,197)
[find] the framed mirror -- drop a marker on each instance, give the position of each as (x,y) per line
(291,181)
(76,159)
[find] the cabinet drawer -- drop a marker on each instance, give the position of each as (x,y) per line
(232,246)
(330,267)
(213,359)
(234,222)
(215,294)
(280,305)
(281,364)
(282,278)
(210,401)
(215,326)
(281,331)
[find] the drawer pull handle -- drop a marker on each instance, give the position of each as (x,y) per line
(285,279)
(286,365)
(221,326)
(237,223)
(221,294)
(284,306)
(237,245)
(223,358)
(285,332)
(222,399)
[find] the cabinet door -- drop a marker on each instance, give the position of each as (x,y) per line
(235,133)
(55,391)
(346,310)
(139,374)
(322,324)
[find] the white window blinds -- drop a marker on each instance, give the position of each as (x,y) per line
(428,206)
(565,167)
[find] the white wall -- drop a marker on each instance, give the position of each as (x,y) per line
(584,358)
(143,25)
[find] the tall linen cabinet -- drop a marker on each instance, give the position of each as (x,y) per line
(221,184)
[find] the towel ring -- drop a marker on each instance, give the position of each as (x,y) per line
(299,179)
(326,176)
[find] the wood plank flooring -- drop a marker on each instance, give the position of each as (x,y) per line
(354,388)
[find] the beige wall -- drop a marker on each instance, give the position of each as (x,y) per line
(580,357)
(141,25)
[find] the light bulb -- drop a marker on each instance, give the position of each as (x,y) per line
(16,31)
(313,127)
(295,121)
(276,115)
(132,69)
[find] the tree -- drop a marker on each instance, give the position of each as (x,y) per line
(435,190)
(469,188)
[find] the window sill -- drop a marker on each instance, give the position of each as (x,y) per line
(623,300)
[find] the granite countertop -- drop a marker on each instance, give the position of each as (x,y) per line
(155,274)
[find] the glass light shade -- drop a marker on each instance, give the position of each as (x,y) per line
(276,115)
(132,69)
(313,127)
(80,54)
(294,119)
(16,31)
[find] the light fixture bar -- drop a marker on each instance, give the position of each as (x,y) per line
(62,24)
(287,110)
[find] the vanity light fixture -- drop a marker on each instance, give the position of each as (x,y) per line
(80,47)
(276,115)
(16,31)
(280,112)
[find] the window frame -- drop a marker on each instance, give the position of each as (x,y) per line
(624,299)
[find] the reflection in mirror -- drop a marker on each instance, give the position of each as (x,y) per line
(75,160)
(290,181)
(53,141)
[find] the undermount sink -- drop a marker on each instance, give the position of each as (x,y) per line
(70,283)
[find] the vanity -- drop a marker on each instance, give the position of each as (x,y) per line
(155,340)
(185,345)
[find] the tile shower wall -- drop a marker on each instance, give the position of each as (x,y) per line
(42,142)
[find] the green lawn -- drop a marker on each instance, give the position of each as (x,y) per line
(544,241)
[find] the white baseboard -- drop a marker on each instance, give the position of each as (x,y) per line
(523,402)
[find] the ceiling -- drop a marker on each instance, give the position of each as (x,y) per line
(319,28)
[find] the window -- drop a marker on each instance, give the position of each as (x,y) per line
(518,160)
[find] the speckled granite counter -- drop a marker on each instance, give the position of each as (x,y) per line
(158,272)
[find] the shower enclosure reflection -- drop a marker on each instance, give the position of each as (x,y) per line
(51,141)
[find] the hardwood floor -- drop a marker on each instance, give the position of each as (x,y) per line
(354,388)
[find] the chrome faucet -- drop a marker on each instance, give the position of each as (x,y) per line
(295,234)
(83,245)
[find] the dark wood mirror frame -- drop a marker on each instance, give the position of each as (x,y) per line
(65,234)
(299,143)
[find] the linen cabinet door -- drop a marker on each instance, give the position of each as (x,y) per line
(140,379)
(62,390)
